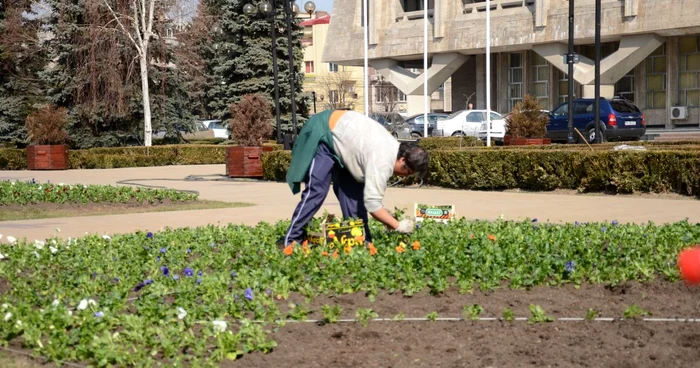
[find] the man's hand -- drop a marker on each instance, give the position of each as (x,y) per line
(405,226)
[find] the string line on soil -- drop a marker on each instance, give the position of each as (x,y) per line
(484,319)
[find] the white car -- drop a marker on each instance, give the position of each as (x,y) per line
(498,128)
(220,131)
(470,123)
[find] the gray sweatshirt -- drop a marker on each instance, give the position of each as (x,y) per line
(368,151)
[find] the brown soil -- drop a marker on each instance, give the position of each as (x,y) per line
(622,343)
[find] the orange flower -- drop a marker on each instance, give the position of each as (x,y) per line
(372,249)
(492,237)
(416,245)
(335,254)
(347,249)
(305,243)
(324,253)
(288,250)
(471,236)
(305,247)
(359,239)
(400,249)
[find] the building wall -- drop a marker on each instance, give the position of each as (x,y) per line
(517,26)
(314,41)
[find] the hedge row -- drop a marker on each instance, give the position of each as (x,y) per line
(432,143)
(116,157)
(654,171)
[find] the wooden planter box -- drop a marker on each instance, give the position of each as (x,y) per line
(47,157)
(509,141)
(245,162)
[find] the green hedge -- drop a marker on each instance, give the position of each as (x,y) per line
(431,143)
(656,171)
(115,157)
(12,159)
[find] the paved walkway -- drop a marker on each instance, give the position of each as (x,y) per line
(274,201)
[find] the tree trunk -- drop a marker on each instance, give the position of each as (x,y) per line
(146,99)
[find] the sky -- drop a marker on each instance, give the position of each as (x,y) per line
(326,5)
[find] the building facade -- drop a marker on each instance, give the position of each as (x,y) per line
(328,85)
(651,51)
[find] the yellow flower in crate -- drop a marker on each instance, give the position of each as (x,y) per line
(356,231)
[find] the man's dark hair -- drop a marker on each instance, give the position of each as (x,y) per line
(416,157)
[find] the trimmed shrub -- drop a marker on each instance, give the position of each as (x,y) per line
(12,159)
(275,165)
(655,171)
(431,143)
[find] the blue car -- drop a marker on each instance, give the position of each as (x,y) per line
(619,120)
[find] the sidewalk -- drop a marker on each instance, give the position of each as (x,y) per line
(274,201)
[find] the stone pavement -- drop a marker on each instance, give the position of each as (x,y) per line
(274,201)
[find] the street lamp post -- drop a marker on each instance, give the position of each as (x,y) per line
(269,11)
(290,10)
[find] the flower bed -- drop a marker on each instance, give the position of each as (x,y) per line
(32,192)
(190,296)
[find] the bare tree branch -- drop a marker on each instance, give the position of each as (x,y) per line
(122,26)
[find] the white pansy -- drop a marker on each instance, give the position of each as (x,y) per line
(8,315)
(2,256)
(219,326)
(84,304)
(55,303)
(39,244)
(181,313)
(85,186)
(18,323)
(53,250)
(40,187)
(70,241)
(61,184)
(11,239)
(70,312)
(5,306)
(106,237)
(37,254)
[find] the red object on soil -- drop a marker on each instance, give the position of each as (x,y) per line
(689,265)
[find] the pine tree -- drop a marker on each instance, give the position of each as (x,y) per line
(242,61)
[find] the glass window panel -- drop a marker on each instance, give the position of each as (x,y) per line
(688,80)
(515,60)
(688,44)
(655,82)
(660,99)
(693,62)
(693,98)
(517,75)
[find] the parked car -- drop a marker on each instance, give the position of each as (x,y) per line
(620,119)
(220,131)
(416,126)
(471,123)
(394,123)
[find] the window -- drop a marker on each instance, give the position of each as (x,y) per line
(689,71)
(475,117)
(333,68)
(388,94)
(334,96)
(625,86)
(583,107)
(416,5)
(402,96)
(515,79)
(561,110)
(539,80)
(564,87)
(656,78)
(309,67)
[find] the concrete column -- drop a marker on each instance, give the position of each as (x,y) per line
(480,82)
(502,87)
(438,23)
(541,12)
(631,8)
(447,102)
(553,87)
(672,64)
(633,50)
(526,72)
(606,90)
(374,14)
(415,104)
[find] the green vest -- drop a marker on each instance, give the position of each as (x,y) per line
(315,131)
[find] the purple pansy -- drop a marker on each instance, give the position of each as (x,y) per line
(189,272)
(248,294)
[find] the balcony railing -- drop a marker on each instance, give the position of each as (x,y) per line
(412,15)
(480,6)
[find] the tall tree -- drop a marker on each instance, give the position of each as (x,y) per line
(242,60)
(21,58)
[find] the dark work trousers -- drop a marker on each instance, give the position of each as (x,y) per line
(317,183)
